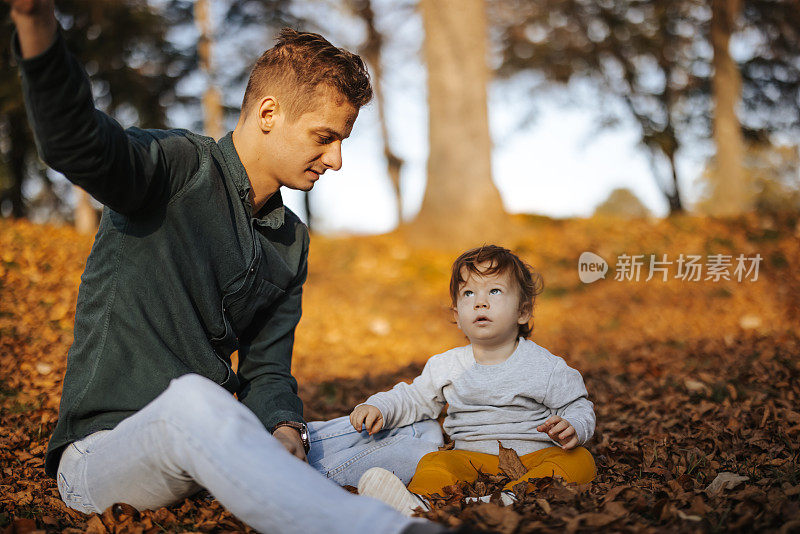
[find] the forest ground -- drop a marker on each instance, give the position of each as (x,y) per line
(690,379)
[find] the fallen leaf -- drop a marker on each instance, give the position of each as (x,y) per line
(544,504)
(22,526)
(510,464)
(95,525)
(688,517)
(725,480)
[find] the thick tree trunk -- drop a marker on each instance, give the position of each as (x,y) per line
(460,197)
(730,193)
(212,101)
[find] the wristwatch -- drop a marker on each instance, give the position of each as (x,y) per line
(300,427)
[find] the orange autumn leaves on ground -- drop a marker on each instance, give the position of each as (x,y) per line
(689,379)
(378,300)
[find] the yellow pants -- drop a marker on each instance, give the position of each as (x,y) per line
(442,468)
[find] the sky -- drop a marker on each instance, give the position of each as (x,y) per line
(553,162)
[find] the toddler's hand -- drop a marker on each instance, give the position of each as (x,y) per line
(561,431)
(368,417)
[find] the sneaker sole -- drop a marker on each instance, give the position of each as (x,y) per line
(384,485)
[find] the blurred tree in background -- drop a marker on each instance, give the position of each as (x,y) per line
(134,70)
(460,197)
(656,56)
(622,202)
(772,172)
(372,51)
(731,191)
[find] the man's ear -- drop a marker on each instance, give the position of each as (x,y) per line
(268,111)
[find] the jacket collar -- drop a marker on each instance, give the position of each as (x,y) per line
(272,213)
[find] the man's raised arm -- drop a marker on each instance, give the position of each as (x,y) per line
(125,170)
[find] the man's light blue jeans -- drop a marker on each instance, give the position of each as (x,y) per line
(196,435)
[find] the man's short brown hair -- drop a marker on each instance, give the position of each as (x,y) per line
(500,260)
(298,65)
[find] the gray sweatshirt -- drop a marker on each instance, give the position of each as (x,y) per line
(487,403)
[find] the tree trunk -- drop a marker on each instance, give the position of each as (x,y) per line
(674,196)
(212,101)
(460,197)
(731,194)
(17,152)
(372,52)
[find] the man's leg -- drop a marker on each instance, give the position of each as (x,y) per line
(341,453)
(196,434)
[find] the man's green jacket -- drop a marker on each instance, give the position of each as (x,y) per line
(181,274)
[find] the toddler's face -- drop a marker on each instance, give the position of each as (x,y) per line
(487,308)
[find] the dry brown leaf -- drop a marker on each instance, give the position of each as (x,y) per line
(22,526)
(95,525)
(510,464)
(501,519)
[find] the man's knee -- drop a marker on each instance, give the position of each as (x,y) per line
(195,400)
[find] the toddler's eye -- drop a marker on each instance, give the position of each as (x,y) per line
(495,291)
(468,293)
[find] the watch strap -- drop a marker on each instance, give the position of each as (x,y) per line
(301,428)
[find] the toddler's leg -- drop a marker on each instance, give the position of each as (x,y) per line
(443,468)
(341,453)
(575,465)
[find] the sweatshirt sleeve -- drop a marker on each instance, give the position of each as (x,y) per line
(124,169)
(567,397)
(405,403)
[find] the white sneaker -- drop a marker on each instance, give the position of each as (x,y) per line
(384,485)
(506,498)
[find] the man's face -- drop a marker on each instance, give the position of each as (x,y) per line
(487,308)
(298,150)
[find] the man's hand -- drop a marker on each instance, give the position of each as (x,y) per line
(290,438)
(561,431)
(27,7)
(36,25)
(366,416)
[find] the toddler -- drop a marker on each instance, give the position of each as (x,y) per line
(501,387)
